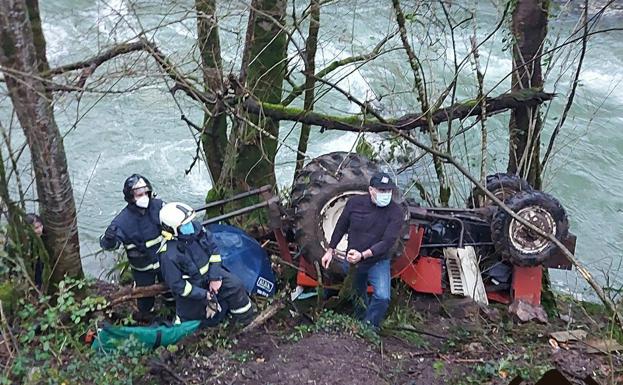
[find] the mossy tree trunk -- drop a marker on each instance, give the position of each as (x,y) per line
(529,28)
(214,136)
(22,54)
(262,75)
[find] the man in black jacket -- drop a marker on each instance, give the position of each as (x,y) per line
(192,268)
(137,228)
(373,223)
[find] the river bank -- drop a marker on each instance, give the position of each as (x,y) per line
(426,339)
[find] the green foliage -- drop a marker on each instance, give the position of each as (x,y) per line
(243,356)
(365,148)
(334,323)
(121,269)
(84,367)
(48,331)
(403,321)
(459,337)
(511,366)
(438,367)
(8,296)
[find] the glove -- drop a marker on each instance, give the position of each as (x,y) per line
(111,232)
(212,307)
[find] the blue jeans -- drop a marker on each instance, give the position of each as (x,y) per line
(372,309)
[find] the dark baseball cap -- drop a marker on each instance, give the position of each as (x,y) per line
(382,180)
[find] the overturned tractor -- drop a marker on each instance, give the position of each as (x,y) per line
(479,251)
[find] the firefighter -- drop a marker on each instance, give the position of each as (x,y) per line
(373,223)
(191,267)
(137,228)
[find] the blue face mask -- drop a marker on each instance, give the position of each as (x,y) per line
(383,198)
(187,229)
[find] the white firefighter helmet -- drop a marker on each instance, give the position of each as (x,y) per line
(175,214)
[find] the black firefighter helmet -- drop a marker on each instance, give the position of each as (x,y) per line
(134,182)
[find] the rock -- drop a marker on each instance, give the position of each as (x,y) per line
(567,318)
(569,335)
(526,312)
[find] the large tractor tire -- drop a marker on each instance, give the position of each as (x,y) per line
(502,185)
(320,192)
(516,242)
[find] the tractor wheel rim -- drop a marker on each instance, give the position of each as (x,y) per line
(527,241)
(329,215)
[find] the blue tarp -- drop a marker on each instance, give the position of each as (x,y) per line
(243,256)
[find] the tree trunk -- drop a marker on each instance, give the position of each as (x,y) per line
(214,137)
(262,74)
(22,54)
(311,44)
(529,27)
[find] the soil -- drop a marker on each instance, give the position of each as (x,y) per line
(463,345)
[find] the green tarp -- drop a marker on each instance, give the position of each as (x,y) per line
(111,337)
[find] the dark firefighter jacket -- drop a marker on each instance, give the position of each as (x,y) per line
(188,263)
(138,230)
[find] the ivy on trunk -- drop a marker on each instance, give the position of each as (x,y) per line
(22,55)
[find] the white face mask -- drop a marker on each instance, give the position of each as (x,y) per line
(143,202)
(383,198)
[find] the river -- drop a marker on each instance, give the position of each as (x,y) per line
(108,137)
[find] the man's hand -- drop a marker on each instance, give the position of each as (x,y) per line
(354,256)
(326,258)
(215,286)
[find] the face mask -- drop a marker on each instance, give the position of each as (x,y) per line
(143,201)
(187,229)
(383,198)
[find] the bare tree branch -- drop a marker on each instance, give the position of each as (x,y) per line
(376,51)
(92,63)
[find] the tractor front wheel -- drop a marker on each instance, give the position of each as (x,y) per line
(502,185)
(521,245)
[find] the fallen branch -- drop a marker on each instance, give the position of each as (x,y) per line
(264,316)
(130,293)
(418,331)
